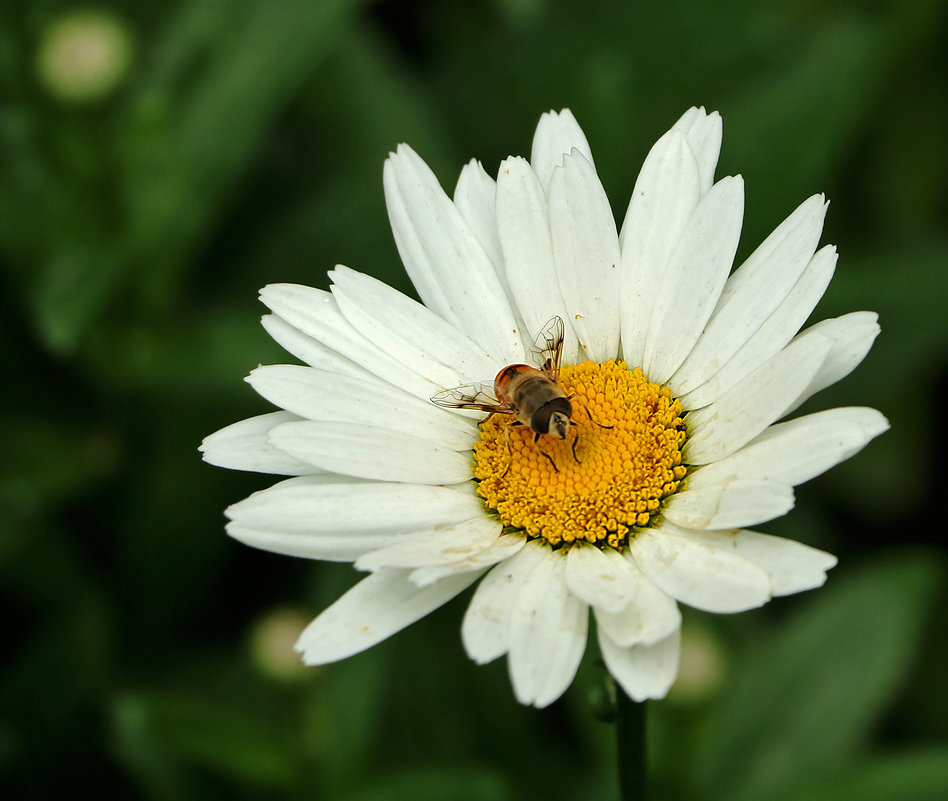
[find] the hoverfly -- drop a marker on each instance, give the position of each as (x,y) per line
(531,395)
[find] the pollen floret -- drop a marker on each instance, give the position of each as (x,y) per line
(626,461)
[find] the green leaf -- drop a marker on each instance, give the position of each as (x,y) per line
(376,103)
(46,462)
(188,144)
(63,252)
(802,703)
(913,322)
(436,783)
(882,481)
(918,776)
(195,358)
(72,286)
(810,109)
(807,116)
(155,731)
(343,715)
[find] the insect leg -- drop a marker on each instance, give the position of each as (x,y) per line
(507,440)
(541,451)
(575,441)
(574,395)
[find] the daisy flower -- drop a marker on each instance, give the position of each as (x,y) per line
(678,371)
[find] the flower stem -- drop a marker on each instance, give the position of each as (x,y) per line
(630,736)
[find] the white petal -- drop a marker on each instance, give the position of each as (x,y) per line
(708,578)
(730,504)
(755,402)
(753,293)
(852,336)
(244,446)
(643,671)
(330,504)
(436,546)
(649,617)
(665,196)
(557,134)
(586,254)
(798,450)
(314,353)
(703,132)
(485,631)
(603,579)
(502,548)
(406,199)
(409,332)
(316,314)
(353,449)
(475,198)
(547,632)
(318,395)
(791,566)
(344,547)
(449,268)
(523,224)
(372,611)
(774,334)
(697,270)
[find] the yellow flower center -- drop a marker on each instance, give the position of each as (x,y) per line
(609,476)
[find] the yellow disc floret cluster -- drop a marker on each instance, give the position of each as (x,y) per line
(610,475)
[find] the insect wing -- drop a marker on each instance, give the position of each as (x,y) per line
(548,347)
(470,396)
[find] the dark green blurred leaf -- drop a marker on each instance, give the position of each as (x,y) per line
(807,115)
(377,103)
(33,202)
(51,224)
(187,145)
(914,334)
(205,358)
(44,463)
(811,107)
(158,771)
(437,783)
(905,358)
(60,655)
(343,718)
(73,285)
(919,776)
(155,730)
(803,701)
(342,715)
(222,75)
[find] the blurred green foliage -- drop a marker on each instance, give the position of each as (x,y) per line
(241,143)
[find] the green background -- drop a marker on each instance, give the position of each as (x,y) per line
(243,145)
